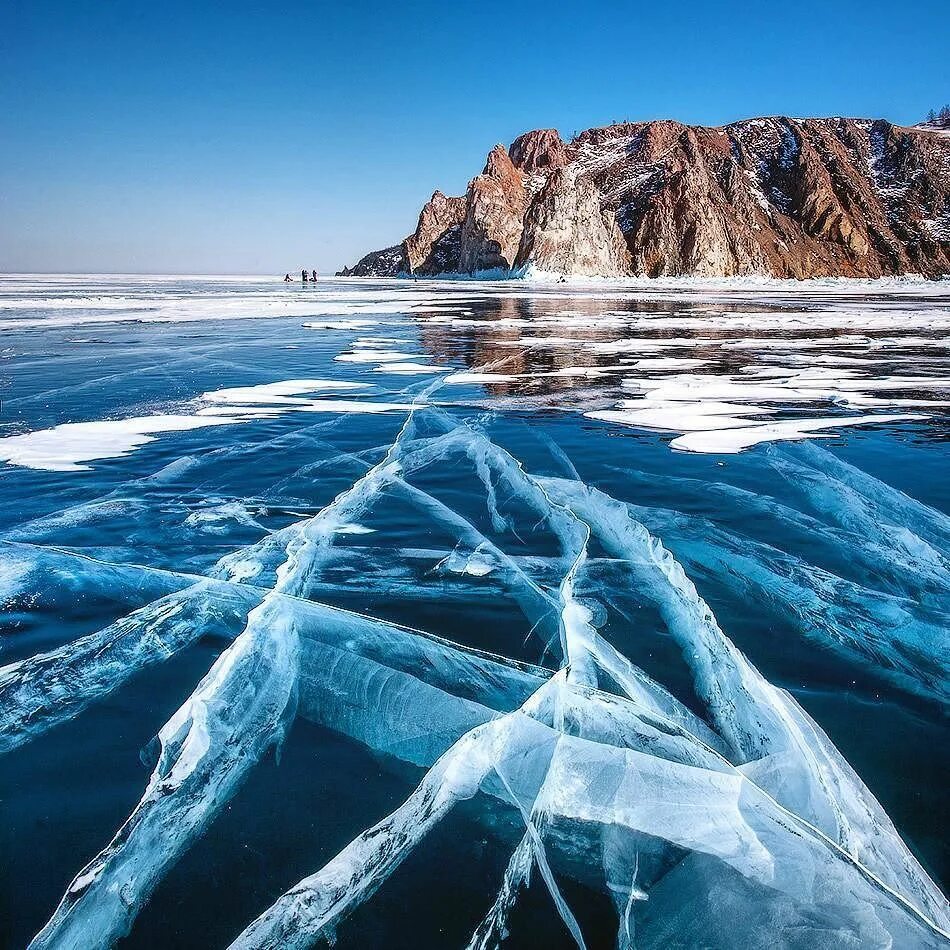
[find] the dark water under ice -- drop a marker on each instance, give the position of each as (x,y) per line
(826,562)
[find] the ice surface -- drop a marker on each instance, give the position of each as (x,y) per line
(614,737)
(900,637)
(768,733)
(239,710)
(878,325)
(68,446)
(49,688)
(606,769)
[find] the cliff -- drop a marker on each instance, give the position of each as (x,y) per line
(774,196)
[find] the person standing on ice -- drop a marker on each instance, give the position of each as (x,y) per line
(313,276)
(303,275)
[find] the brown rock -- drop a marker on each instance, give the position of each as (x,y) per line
(435,246)
(772,196)
(539,151)
(495,207)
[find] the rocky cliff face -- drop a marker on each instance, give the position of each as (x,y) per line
(494,218)
(541,151)
(567,232)
(435,246)
(388,262)
(776,196)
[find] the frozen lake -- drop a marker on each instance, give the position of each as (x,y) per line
(432,614)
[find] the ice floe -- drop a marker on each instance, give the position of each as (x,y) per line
(70,446)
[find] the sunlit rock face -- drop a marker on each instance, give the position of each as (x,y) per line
(435,246)
(567,232)
(540,151)
(775,196)
(494,216)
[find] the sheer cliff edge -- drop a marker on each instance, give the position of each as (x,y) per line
(775,196)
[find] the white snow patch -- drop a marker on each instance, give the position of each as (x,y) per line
(411,369)
(67,447)
(731,441)
(283,393)
(480,377)
(378,356)
(677,416)
(338,324)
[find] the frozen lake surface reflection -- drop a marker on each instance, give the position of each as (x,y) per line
(458,614)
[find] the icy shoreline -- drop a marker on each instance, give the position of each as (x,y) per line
(528,276)
(533,275)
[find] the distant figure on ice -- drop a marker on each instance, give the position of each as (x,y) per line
(313,276)
(286,278)
(303,275)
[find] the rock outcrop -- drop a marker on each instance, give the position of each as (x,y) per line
(565,230)
(435,246)
(775,196)
(388,262)
(540,151)
(494,218)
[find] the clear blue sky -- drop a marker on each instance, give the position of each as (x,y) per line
(242,138)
